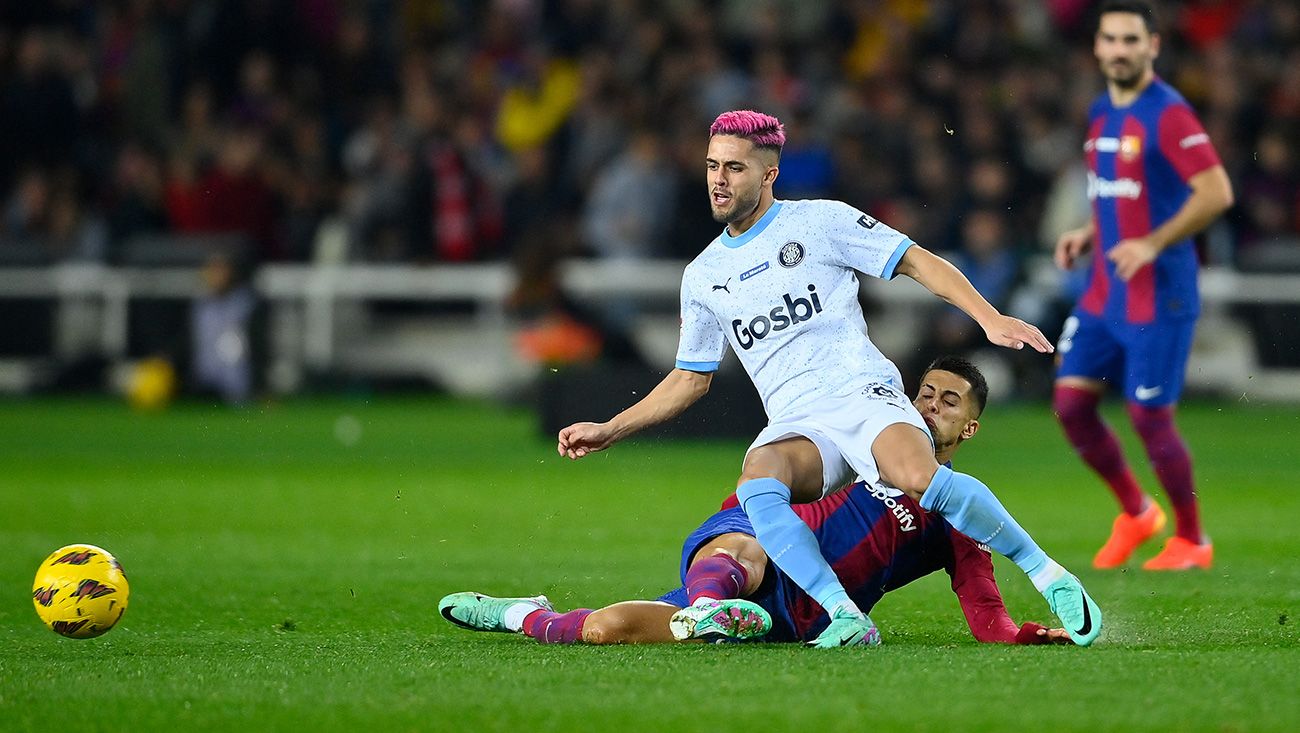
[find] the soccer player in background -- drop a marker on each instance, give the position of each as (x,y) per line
(877,540)
(780,285)
(1154,180)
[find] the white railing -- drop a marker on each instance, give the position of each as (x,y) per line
(305,301)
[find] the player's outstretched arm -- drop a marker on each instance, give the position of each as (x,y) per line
(971,569)
(940,277)
(678,391)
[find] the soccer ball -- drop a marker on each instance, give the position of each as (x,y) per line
(80,591)
(151,384)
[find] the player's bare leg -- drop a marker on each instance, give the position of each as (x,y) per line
(905,459)
(629,622)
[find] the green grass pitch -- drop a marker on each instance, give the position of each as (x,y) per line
(285,563)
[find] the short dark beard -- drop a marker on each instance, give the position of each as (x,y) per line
(741,208)
(1126,82)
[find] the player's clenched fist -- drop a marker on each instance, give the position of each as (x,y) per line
(582,438)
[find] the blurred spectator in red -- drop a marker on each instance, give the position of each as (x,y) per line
(230,197)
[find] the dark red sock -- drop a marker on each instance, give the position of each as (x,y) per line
(1172,464)
(550,627)
(1095,443)
(716,576)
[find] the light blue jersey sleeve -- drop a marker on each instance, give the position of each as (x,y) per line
(863,242)
(702,342)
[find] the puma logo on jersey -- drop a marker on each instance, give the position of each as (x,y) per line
(791,312)
(723,286)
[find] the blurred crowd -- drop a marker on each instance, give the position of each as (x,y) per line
(457,130)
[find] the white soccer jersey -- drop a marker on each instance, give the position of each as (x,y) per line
(785,295)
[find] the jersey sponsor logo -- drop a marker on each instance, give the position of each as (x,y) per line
(867,222)
(790,312)
(1104,188)
(791,254)
(1130,147)
(1102,145)
(1192,141)
(754,271)
(906,520)
(1147,393)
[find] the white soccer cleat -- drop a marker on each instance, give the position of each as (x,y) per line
(477,612)
(730,619)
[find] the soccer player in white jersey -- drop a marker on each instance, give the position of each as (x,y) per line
(780,286)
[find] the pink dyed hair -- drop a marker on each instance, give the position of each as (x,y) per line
(764,131)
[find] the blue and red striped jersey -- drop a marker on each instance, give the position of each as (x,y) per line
(877,543)
(1140,158)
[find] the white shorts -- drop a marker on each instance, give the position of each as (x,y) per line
(844,429)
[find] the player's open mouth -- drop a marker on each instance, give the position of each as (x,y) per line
(720,199)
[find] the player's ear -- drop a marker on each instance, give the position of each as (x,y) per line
(1155,45)
(769,177)
(970,429)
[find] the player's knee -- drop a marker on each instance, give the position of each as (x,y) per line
(605,627)
(1073,406)
(765,462)
(913,480)
(1149,420)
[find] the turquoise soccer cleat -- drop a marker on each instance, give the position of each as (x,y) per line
(1078,613)
(847,629)
(477,612)
(729,619)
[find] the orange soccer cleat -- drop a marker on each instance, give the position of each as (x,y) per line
(1181,554)
(1127,533)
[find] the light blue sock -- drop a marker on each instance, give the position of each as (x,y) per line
(973,510)
(790,543)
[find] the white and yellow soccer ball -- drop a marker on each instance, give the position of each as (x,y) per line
(80,591)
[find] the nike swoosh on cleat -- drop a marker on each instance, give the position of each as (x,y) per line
(1087,617)
(446,613)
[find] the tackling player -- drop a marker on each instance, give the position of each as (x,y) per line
(1154,180)
(876,540)
(780,285)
